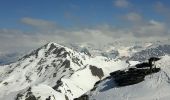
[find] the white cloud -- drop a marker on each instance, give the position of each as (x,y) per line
(17,40)
(121,3)
(38,23)
(152,28)
(133,17)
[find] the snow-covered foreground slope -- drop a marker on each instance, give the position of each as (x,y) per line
(154,87)
(54,72)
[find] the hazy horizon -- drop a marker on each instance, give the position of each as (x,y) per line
(29,24)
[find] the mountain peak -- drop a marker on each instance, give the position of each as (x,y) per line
(53,44)
(48,49)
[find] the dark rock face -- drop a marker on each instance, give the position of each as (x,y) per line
(83,97)
(66,97)
(19,96)
(41,61)
(132,76)
(59,83)
(49,98)
(95,85)
(148,64)
(53,49)
(77,61)
(135,75)
(5,83)
(66,63)
(143,65)
(96,71)
(31,97)
(58,51)
(52,46)
(152,59)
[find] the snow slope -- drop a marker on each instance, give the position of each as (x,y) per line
(54,71)
(154,87)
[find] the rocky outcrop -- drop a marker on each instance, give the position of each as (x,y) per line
(135,75)
(83,97)
(132,76)
(96,71)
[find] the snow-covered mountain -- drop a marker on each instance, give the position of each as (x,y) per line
(54,72)
(154,87)
(66,72)
(156,51)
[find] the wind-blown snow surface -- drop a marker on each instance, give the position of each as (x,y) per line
(54,71)
(154,87)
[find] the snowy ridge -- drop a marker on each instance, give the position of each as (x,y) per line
(154,87)
(54,71)
(156,51)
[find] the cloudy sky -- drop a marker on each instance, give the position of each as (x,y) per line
(26,24)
